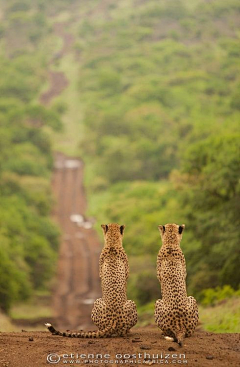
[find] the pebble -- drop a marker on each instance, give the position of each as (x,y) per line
(145,347)
(209,357)
(171,349)
(31,339)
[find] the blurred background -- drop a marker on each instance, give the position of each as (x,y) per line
(121,112)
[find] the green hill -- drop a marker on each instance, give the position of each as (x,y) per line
(159,82)
(28,238)
(153,109)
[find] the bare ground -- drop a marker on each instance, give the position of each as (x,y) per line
(202,349)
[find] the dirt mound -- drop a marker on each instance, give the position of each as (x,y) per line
(143,346)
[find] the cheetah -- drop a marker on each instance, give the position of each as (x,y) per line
(113,314)
(176,314)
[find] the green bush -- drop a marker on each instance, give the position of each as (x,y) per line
(29,239)
(144,287)
(212,296)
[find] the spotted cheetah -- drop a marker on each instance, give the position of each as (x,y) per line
(113,313)
(176,314)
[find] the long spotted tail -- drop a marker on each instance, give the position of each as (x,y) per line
(108,331)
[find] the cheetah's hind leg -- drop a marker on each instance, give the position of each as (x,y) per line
(192,316)
(161,320)
(99,314)
(129,317)
(159,313)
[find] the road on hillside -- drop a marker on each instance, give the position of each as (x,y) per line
(78,283)
(57,79)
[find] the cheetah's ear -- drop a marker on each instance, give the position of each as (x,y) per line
(161,229)
(104,227)
(181,228)
(122,227)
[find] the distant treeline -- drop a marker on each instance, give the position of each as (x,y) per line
(160,87)
(28,238)
(160,81)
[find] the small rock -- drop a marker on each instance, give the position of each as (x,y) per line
(171,349)
(31,339)
(136,340)
(209,357)
(90,342)
(149,362)
(145,347)
(24,331)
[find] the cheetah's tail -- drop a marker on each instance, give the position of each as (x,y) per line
(108,331)
(180,336)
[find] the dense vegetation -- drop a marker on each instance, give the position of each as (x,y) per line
(28,238)
(159,89)
(160,84)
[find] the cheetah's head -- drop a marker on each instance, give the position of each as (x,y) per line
(113,233)
(171,233)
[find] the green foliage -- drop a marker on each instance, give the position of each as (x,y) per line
(144,287)
(14,284)
(159,82)
(159,85)
(28,238)
(212,296)
(210,184)
(223,317)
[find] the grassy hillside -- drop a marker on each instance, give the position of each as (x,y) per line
(159,86)
(223,317)
(152,107)
(29,239)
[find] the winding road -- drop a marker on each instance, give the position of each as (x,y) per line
(78,283)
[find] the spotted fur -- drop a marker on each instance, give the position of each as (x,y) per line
(176,314)
(113,313)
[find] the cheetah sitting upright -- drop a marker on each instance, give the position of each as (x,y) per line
(176,314)
(113,313)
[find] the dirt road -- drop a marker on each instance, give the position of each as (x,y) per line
(201,350)
(57,80)
(78,282)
